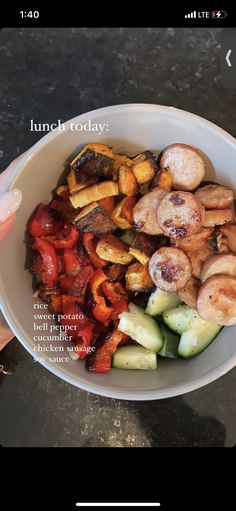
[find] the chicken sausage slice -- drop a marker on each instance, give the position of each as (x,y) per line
(189,293)
(170,268)
(215,196)
(179,214)
(185,165)
(217,300)
(229,232)
(219,263)
(144,212)
(196,241)
(218,217)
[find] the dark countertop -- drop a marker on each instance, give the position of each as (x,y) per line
(47,74)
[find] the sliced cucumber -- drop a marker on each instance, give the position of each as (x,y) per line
(141,327)
(128,236)
(171,343)
(160,301)
(134,357)
(195,340)
(196,333)
(179,318)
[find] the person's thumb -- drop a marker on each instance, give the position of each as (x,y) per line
(9,203)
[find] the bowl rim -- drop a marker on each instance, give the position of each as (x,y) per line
(134,395)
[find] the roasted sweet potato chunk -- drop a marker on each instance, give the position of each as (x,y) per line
(127,181)
(92,165)
(108,203)
(161,179)
(94,193)
(144,167)
(143,247)
(115,272)
(63,191)
(94,218)
(114,250)
(74,186)
(122,215)
(138,279)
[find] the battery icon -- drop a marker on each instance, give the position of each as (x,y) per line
(218,14)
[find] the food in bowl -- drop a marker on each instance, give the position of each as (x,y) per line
(136,257)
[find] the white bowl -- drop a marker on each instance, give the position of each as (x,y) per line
(131,128)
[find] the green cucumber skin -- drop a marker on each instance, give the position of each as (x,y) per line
(194,354)
(170,343)
(135,358)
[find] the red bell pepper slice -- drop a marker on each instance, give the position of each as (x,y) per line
(118,308)
(114,292)
(45,221)
(56,304)
(101,311)
(102,360)
(75,259)
(73,317)
(60,264)
(90,244)
(65,238)
(83,340)
(66,282)
(81,281)
(49,261)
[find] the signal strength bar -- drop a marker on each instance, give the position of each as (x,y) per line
(191,15)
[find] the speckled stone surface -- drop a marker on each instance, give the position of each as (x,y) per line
(47,74)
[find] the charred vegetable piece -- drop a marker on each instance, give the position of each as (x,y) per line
(75,259)
(94,218)
(138,279)
(114,292)
(64,208)
(56,304)
(162,179)
(90,244)
(127,209)
(92,166)
(143,247)
(81,281)
(63,191)
(76,324)
(115,272)
(127,181)
(114,250)
(218,242)
(94,193)
(102,359)
(73,184)
(144,167)
(47,294)
(65,238)
(108,203)
(45,221)
(49,271)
